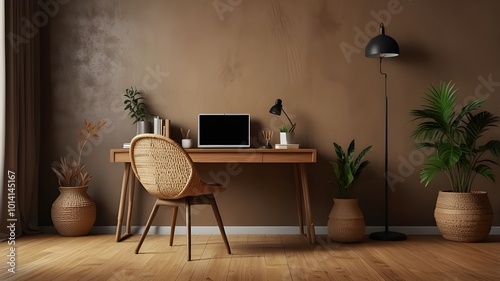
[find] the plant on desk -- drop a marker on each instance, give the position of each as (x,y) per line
(346,222)
(134,103)
(286,136)
(186,142)
(74,212)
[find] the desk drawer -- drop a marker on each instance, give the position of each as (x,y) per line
(292,157)
(119,155)
(226,157)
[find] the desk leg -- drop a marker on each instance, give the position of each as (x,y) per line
(298,191)
(311,233)
(121,209)
(130,203)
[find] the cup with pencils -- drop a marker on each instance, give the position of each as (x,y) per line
(186,142)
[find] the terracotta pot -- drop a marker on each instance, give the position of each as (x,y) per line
(346,222)
(464,217)
(73,212)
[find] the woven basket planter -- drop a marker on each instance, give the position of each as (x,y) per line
(464,217)
(73,212)
(346,222)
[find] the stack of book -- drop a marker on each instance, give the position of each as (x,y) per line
(286,146)
(161,126)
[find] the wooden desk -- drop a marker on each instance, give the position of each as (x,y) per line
(298,157)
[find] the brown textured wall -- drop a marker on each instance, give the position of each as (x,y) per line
(238,56)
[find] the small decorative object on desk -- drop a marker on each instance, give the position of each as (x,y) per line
(186,142)
(268,135)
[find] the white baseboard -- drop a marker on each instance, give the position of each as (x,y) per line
(206,230)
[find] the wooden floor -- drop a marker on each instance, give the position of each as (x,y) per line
(255,257)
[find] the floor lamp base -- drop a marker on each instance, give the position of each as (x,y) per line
(388,236)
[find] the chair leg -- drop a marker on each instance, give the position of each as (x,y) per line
(174,222)
(213,203)
(148,225)
(188,227)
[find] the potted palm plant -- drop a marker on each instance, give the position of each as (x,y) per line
(456,135)
(346,221)
(134,103)
(74,212)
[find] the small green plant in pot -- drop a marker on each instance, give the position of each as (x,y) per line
(347,168)
(346,221)
(283,129)
(456,136)
(286,136)
(134,103)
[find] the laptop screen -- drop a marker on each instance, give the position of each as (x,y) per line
(224,130)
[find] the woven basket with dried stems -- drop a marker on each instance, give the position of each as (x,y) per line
(74,212)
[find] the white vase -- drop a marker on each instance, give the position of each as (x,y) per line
(143,127)
(286,138)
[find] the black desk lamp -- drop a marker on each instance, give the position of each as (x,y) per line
(276,110)
(383,46)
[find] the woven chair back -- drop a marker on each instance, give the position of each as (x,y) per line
(164,168)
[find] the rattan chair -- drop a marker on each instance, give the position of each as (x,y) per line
(167,172)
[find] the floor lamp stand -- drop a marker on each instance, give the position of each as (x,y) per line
(386,235)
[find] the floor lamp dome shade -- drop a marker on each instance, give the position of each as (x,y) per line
(382,46)
(276,110)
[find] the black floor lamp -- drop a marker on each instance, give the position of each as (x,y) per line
(383,46)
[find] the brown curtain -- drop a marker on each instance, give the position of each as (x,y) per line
(22,115)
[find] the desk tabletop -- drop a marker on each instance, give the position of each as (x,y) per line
(227,155)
